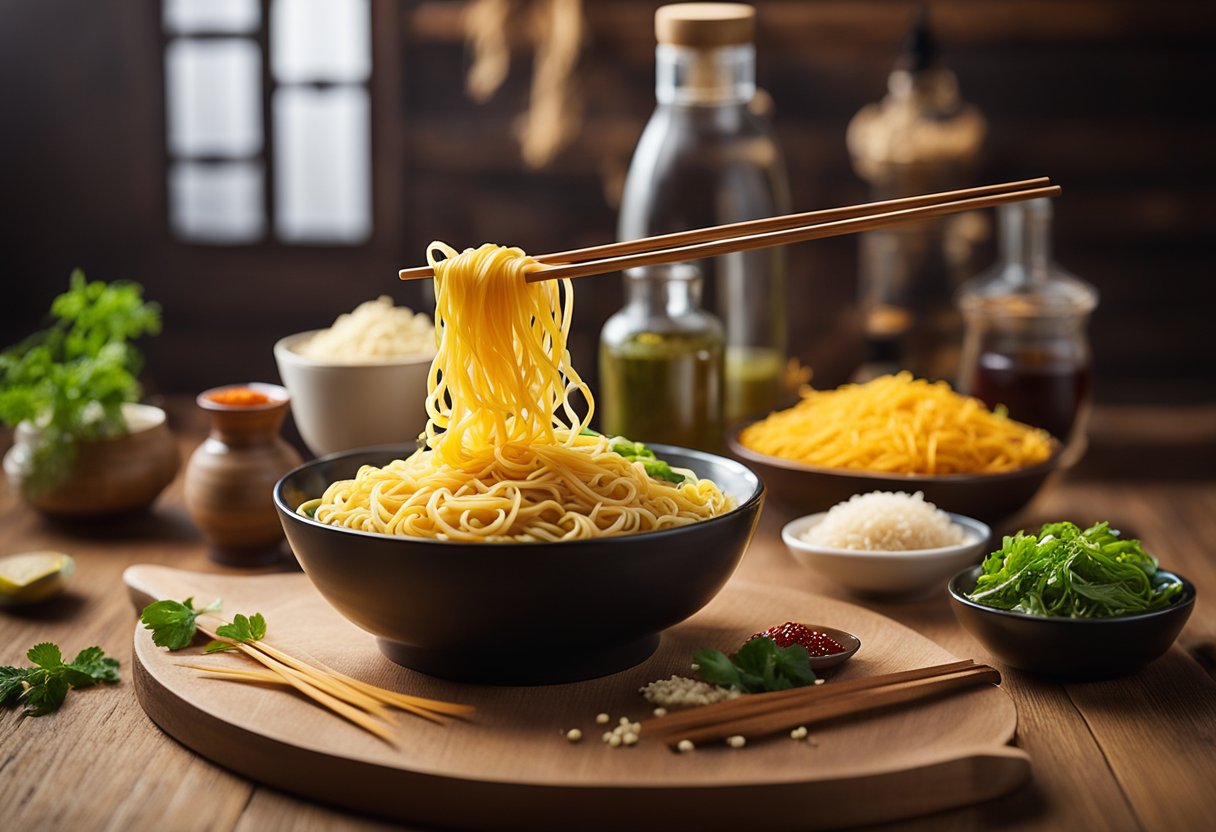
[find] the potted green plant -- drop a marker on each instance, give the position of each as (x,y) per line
(82,445)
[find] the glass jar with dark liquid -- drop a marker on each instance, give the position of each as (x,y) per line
(1024,345)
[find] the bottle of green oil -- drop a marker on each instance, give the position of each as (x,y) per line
(661,362)
(708,156)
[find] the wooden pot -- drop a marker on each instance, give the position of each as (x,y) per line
(108,476)
(230,477)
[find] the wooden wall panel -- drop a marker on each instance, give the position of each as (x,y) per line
(1107,96)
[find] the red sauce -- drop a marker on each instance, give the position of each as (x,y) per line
(816,643)
(239,397)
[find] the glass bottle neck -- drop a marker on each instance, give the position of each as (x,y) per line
(672,289)
(1026,282)
(720,76)
(1025,240)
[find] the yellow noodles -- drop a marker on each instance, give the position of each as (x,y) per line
(505,458)
(897,424)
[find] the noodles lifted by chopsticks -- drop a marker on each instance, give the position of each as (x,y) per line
(506,458)
(897,424)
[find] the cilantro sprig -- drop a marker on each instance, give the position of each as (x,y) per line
(173,622)
(174,625)
(759,665)
(242,630)
(43,687)
(654,467)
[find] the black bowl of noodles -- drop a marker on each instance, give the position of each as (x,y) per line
(519,613)
(810,489)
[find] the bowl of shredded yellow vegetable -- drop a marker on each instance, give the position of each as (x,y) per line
(898,433)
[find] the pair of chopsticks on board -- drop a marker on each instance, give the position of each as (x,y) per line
(763,714)
(682,246)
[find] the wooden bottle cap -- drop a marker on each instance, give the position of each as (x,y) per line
(705,24)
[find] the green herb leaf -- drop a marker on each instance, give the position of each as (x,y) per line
(46,655)
(12,683)
(214,646)
(43,687)
(758,666)
(794,665)
(660,470)
(631,450)
(715,667)
(46,694)
(91,666)
(757,663)
(1064,571)
(244,629)
(637,452)
(173,622)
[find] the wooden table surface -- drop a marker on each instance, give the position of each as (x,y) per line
(1134,753)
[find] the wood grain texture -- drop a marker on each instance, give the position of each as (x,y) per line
(1090,769)
(100,763)
(492,772)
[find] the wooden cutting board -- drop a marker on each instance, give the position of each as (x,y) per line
(511,767)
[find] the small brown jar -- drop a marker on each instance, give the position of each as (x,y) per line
(230,477)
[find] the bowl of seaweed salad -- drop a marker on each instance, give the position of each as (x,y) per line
(1073,603)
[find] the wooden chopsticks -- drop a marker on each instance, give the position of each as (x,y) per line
(772,231)
(763,714)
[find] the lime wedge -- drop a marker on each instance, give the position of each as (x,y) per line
(33,576)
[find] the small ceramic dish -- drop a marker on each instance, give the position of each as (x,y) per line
(1071,648)
(848,641)
(911,573)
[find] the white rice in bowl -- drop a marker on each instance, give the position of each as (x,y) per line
(374,331)
(886,521)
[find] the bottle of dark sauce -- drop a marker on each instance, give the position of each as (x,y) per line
(1024,344)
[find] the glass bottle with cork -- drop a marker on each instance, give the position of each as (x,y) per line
(707,158)
(920,138)
(661,362)
(1025,345)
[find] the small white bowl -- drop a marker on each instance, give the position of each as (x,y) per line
(911,573)
(338,407)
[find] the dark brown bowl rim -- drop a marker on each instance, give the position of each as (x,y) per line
(956,595)
(741,450)
(753,499)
